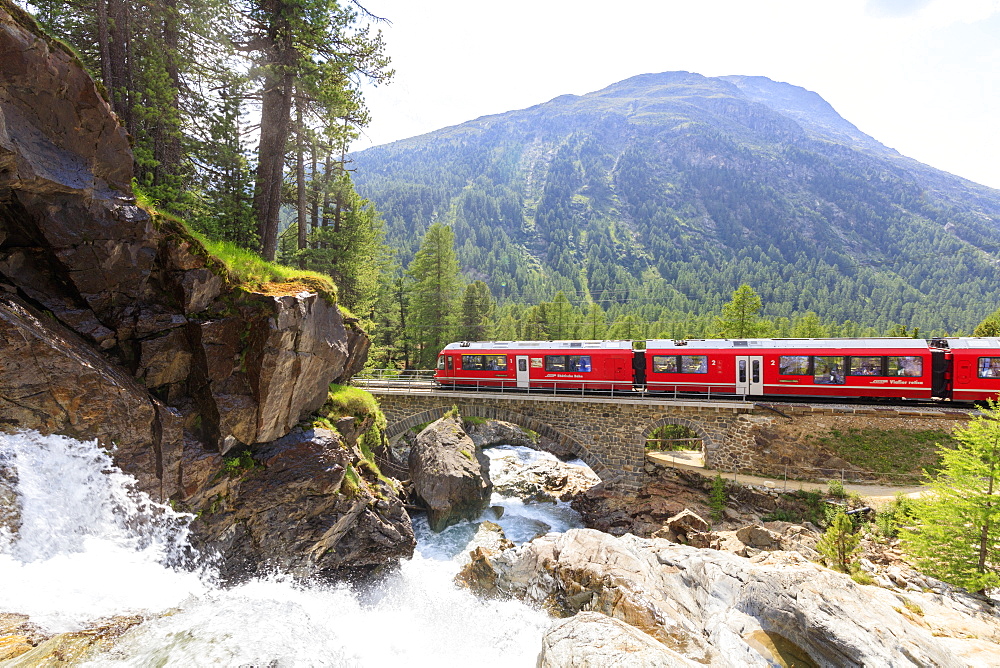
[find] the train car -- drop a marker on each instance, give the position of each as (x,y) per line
(869,368)
(557,365)
(974,364)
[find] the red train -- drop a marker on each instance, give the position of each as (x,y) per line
(959,369)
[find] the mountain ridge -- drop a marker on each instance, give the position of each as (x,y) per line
(672,174)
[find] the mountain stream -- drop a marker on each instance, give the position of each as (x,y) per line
(90,546)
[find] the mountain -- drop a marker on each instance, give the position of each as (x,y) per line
(664,192)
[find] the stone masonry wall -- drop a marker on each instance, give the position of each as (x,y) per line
(610,434)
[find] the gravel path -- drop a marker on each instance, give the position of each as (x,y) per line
(693,461)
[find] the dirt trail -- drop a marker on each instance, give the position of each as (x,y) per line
(692,461)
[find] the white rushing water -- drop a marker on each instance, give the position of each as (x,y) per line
(87,547)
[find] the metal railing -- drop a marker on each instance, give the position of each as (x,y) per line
(423,379)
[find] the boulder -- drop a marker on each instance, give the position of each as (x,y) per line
(709,605)
(292,511)
(545,480)
(751,539)
(449,474)
(489,540)
(593,640)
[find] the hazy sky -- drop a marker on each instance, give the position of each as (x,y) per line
(921,76)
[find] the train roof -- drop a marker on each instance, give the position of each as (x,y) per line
(801,344)
(548,345)
(963,342)
(711,344)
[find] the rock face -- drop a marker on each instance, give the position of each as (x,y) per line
(713,607)
(450,475)
(115,324)
(593,640)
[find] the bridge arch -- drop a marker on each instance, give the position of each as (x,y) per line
(697,426)
(396,429)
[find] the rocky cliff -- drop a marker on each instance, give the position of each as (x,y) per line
(116,324)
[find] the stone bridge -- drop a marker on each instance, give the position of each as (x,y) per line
(610,433)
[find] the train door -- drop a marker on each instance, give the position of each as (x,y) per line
(749,374)
(639,368)
(522,371)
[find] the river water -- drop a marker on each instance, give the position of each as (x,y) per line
(89,546)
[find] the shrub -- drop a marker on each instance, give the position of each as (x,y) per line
(718,497)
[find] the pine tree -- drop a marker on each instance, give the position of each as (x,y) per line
(477,311)
(839,544)
(561,316)
(595,323)
(990,326)
(435,293)
(957,527)
(740,316)
(809,327)
(351,248)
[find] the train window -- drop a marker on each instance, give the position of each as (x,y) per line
(451,362)
(694,364)
(793,365)
(522,365)
(484,362)
(743,372)
(579,363)
(555,362)
(989,367)
(865,366)
(664,364)
(828,370)
(440,362)
(910,365)
(755,375)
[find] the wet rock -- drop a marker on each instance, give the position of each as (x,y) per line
(450,475)
(593,640)
(10,506)
(18,635)
(63,649)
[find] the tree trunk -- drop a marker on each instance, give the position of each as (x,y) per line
(117,83)
(104,48)
(300,180)
(276,107)
(167,146)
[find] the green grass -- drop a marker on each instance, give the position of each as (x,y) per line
(901,455)
(241,268)
(248,270)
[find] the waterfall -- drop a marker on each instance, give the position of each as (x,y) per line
(84,543)
(88,545)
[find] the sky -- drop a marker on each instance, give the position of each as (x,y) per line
(920,76)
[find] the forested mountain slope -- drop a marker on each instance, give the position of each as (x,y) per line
(667,191)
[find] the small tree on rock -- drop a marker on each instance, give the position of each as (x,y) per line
(839,544)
